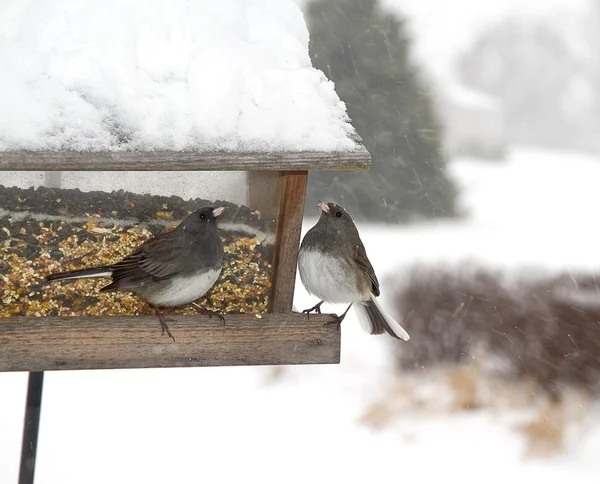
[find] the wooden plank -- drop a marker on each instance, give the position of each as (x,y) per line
(289,229)
(72,343)
(182,161)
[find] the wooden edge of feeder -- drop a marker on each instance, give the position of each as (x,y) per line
(292,194)
(118,342)
(24,160)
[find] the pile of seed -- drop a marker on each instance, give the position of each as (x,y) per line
(60,238)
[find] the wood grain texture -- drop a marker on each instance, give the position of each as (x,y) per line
(181,161)
(81,343)
(289,229)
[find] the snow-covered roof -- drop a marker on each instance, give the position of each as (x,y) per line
(120,75)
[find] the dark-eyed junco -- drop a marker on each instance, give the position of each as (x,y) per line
(334,266)
(172,269)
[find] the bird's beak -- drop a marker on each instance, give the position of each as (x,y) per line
(218,211)
(323,206)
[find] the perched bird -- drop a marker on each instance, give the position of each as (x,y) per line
(334,266)
(172,269)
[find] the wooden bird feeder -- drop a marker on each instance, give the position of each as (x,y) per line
(67,208)
(275,185)
(274,182)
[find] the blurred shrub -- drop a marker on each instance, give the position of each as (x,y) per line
(546,329)
(366,51)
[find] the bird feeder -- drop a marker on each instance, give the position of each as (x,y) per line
(104,144)
(116,121)
(74,326)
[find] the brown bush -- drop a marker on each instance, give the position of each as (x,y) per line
(543,328)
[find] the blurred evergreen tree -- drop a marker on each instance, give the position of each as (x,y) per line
(366,51)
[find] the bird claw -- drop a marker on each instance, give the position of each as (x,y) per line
(337,321)
(166,330)
(164,326)
(208,312)
(316,308)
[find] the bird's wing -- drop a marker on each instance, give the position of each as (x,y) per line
(360,257)
(153,261)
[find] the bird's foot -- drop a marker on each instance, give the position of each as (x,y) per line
(208,312)
(164,325)
(338,319)
(316,308)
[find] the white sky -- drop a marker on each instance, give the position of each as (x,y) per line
(443,27)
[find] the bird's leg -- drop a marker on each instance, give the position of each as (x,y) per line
(208,312)
(316,308)
(163,324)
(338,320)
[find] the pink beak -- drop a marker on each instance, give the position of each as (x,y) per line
(324,207)
(218,211)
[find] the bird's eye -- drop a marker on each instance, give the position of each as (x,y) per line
(202,216)
(338,214)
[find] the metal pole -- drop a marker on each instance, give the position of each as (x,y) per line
(31,427)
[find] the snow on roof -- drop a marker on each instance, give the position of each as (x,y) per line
(232,75)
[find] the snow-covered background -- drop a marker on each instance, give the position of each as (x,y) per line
(443,29)
(360,420)
(314,424)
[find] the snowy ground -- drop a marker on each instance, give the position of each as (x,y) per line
(306,423)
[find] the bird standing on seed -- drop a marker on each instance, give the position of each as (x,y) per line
(172,269)
(334,266)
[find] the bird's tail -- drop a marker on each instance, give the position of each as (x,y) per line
(375,320)
(101,271)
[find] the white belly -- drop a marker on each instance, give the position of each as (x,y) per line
(327,278)
(179,291)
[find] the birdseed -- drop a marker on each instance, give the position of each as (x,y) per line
(31,248)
